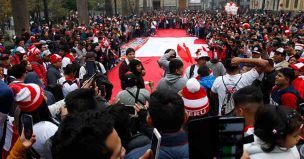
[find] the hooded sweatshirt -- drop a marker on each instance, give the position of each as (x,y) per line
(255,152)
(171,83)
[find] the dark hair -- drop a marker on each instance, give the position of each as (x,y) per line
(129,50)
(24,63)
(248,94)
(203,71)
(70,68)
(18,70)
(73,50)
(81,100)
(289,73)
(274,123)
(167,51)
(174,65)
(83,136)
(271,63)
(132,65)
(122,121)
(130,79)
(167,111)
(229,67)
(42,113)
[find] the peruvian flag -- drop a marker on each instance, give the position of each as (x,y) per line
(184,53)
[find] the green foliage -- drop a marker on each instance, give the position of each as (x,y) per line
(5,9)
(56,9)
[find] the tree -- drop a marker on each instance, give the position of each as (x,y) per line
(108,7)
(5,13)
(57,11)
(83,13)
(20,14)
(46,11)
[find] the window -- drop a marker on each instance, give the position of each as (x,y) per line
(296,2)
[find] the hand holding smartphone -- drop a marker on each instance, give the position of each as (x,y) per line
(90,80)
(155,144)
(27,124)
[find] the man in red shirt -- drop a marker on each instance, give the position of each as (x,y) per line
(283,93)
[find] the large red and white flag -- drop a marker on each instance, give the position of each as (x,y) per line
(184,53)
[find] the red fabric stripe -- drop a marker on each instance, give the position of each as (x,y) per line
(196,108)
(193,96)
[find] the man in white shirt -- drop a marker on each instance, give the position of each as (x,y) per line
(201,60)
(279,59)
(233,80)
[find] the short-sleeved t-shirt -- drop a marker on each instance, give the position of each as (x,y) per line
(245,79)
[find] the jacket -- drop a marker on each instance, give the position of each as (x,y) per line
(126,98)
(171,83)
(207,82)
(173,146)
(287,96)
(255,152)
(123,68)
(18,151)
(38,67)
(53,74)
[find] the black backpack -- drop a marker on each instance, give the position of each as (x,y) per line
(191,71)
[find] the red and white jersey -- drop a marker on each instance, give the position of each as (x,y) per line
(105,43)
(11,135)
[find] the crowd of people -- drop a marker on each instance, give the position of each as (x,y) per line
(253,68)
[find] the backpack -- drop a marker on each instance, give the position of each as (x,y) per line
(228,103)
(300,100)
(191,71)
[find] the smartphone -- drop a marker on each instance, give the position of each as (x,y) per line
(131,110)
(231,137)
(91,78)
(102,89)
(223,140)
(155,144)
(27,123)
(202,143)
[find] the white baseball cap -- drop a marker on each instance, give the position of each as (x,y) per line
(20,49)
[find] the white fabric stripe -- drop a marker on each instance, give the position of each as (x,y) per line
(24,95)
(195,103)
(156,46)
(37,89)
